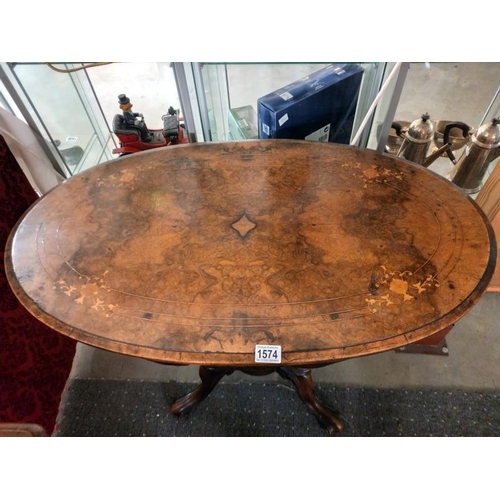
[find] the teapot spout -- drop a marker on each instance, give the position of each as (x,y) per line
(495,154)
(443,149)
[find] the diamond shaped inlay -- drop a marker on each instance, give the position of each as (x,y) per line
(243,225)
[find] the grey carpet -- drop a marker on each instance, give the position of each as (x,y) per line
(97,407)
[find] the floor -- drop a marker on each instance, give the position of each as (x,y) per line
(447,91)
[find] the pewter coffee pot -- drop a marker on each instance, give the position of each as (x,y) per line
(419,136)
(483,148)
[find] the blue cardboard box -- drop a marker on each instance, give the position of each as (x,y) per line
(318,107)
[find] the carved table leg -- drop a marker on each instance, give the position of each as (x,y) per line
(210,377)
(302,380)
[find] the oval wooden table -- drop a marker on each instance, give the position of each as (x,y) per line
(197,254)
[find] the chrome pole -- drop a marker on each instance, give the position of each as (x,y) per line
(183,91)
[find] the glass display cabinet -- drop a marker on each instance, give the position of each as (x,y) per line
(72,106)
(66,111)
(223,99)
(226,94)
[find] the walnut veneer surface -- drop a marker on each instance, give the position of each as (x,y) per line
(196,253)
(489,201)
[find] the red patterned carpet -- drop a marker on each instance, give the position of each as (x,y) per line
(35,361)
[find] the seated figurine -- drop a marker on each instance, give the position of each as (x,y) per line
(133,120)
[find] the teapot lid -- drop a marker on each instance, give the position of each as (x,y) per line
(422,129)
(488,135)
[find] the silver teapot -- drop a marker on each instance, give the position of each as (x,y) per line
(483,148)
(417,139)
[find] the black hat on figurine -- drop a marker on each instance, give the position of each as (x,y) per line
(123,99)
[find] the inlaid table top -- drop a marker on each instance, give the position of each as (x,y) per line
(195,254)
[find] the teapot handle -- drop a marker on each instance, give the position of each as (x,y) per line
(398,128)
(446,136)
